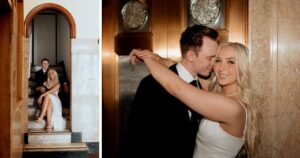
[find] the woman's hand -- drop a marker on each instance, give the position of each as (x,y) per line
(40,99)
(134,56)
(141,55)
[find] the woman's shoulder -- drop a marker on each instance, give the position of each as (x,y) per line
(241,104)
(237,107)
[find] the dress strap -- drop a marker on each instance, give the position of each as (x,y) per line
(241,103)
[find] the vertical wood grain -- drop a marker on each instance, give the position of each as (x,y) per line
(110,110)
(5,30)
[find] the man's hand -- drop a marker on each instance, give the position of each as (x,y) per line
(66,88)
(43,89)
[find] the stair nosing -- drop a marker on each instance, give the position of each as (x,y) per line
(51,133)
(55,147)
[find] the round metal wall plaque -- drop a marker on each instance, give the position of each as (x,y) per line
(205,11)
(134,15)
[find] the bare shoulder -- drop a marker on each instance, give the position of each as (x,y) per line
(236,123)
(240,106)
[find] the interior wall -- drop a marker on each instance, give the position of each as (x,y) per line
(86,15)
(64,43)
(274,39)
(44,38)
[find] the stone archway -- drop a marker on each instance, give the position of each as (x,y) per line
(53,6)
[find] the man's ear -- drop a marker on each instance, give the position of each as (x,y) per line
(190,55)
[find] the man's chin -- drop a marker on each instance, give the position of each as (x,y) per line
(204,76)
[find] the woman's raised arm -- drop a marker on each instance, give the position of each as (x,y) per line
(148,54)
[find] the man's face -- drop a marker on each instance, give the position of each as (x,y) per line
(203,63)
(45,65)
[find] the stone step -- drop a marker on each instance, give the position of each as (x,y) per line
(34,125)
(34,111)
(32,101)
(38,136)
(71,150)
(31,92)
(31,83)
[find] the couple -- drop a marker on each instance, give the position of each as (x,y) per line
(48,87)
(162,123)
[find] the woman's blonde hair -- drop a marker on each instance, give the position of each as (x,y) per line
(51,83)
(244,89)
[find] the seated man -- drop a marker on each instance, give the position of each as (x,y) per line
(41,77)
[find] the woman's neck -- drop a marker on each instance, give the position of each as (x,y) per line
(230,90)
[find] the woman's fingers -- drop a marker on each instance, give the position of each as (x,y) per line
(147,54)
(40,100)
(134,56)
(139,55)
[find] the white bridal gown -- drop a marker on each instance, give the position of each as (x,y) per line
(57,120)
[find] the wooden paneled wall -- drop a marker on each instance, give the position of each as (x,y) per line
(12,80)
(5,26)
(110,110)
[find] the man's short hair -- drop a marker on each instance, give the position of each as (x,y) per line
(192,37)
(44,59)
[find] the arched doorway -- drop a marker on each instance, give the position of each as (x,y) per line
(50,6)
(49,29)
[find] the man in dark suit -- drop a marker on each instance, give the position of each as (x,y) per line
(41,77)
(159,125)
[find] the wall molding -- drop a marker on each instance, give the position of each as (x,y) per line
(53,6)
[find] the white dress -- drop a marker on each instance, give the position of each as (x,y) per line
(213,142)
(57,120)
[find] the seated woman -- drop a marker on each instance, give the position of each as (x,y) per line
(230,119)
(51,103)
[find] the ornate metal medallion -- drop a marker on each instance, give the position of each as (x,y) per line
(134,15)
(205,11)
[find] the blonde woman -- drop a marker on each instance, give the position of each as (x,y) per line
(51,104)
(230,120)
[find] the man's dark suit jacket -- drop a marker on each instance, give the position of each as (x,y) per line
(40,77)
(159,125)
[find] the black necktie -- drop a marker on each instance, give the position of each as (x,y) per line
(195,116)
(195,83)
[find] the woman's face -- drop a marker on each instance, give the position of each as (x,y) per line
(225,66)
(51,75)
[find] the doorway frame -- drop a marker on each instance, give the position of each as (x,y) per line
(28,20)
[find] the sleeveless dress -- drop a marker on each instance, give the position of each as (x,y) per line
(213,142)
(57,120)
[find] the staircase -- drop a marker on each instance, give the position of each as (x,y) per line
(57,144)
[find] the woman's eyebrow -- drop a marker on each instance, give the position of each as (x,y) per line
(230,58)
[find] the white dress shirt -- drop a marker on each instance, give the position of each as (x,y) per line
(186,76)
